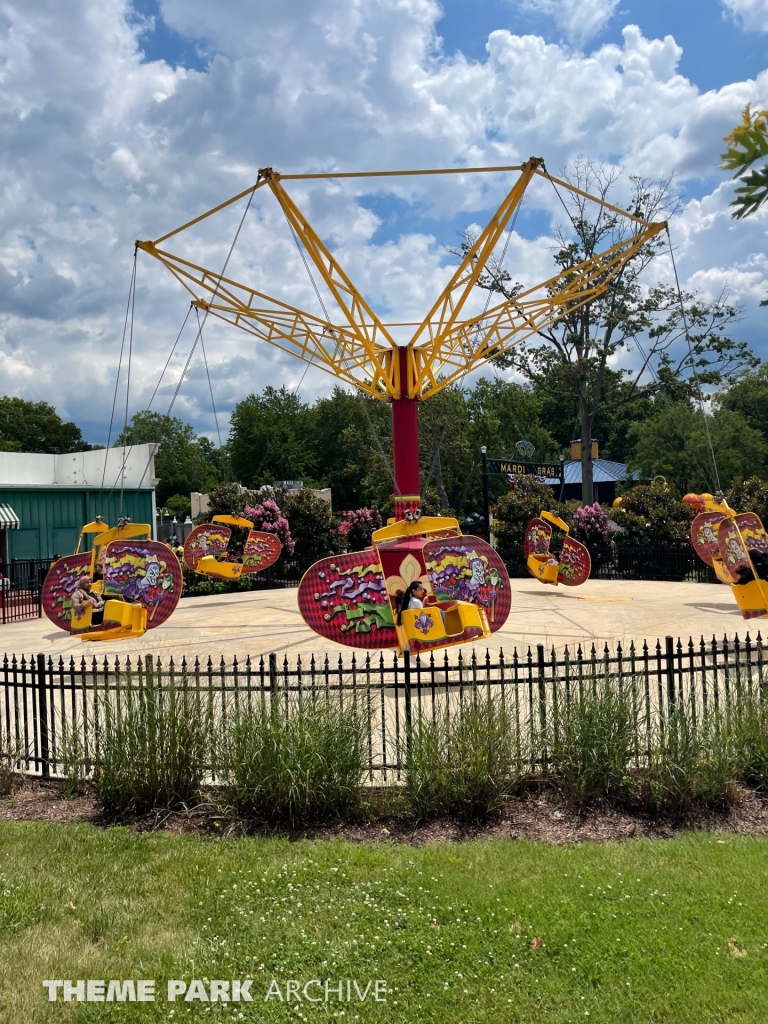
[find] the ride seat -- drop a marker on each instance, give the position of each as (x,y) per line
(540,567)
(129,619)
(211,566)
(428,625)
(720,570)
(752,597)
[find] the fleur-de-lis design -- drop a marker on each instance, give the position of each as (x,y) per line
(424,623)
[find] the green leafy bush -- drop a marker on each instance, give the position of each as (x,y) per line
(652,514)
(154,748)
(296,766)
(749,496)
(462,763)
(313,526)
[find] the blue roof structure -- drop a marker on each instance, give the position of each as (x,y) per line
(603,472)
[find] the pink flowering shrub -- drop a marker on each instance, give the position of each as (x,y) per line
(591,524)
(268,517)
(357,527)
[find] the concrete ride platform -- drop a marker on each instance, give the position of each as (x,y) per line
(258,623)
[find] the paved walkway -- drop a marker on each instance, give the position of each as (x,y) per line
(258,623)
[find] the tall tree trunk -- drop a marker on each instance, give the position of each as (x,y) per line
(587,481)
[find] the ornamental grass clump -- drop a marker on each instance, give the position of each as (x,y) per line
(750,740)
(590,741)
(691,763)
(293,764)
(154,746)
(462,761)
(12,757)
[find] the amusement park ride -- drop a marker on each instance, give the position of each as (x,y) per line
(353,598)
(736,546)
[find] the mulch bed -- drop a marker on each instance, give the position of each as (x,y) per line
(535,817)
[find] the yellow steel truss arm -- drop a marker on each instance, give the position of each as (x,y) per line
(474,341)
(440,320)
(333,348)
(443,348)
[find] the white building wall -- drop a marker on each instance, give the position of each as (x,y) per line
(131,467)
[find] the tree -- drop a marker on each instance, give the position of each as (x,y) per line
(180,462)
(457,422)
(357,527)
(664,340)
(268,517)
(674,443)
(271,438)
(749,496)
(748,395)
(35,427)
(313,527)
(178,505)
(352,440)
(229,499)
(748,143)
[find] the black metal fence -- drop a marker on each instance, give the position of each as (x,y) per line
(21,585)
(649,562)
(42,697)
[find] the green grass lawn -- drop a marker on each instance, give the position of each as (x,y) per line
(636,932)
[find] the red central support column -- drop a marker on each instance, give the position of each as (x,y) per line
(405,445)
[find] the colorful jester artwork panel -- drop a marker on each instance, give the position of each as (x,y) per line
(145,572)
(575,563)
(469,569)
(344,598)
(704,531)
(59,586)
(537,537)
(752,532)
(261,550)
(208,539)
(732,549)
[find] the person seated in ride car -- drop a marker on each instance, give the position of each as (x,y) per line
(82,597)
(744,573)
(412,597)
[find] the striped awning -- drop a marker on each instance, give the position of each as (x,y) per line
(8,518)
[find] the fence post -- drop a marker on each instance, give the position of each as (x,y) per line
(542,702)
(273,682)
(42,705)
(408,708)
(670,672)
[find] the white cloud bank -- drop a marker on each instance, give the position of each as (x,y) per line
(581,20)
(753,14)
(99,147)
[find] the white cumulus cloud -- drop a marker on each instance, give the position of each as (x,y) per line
(580,20)
(99,147)
(753,14)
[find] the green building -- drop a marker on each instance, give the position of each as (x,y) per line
(45,500)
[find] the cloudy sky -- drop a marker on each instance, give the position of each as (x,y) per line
(121,121)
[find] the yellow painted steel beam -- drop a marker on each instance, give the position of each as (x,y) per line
(359,315)
(475,341)
(444,347)
(331,347)
(444,314)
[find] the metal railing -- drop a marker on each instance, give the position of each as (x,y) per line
(21,586)
(39,694)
